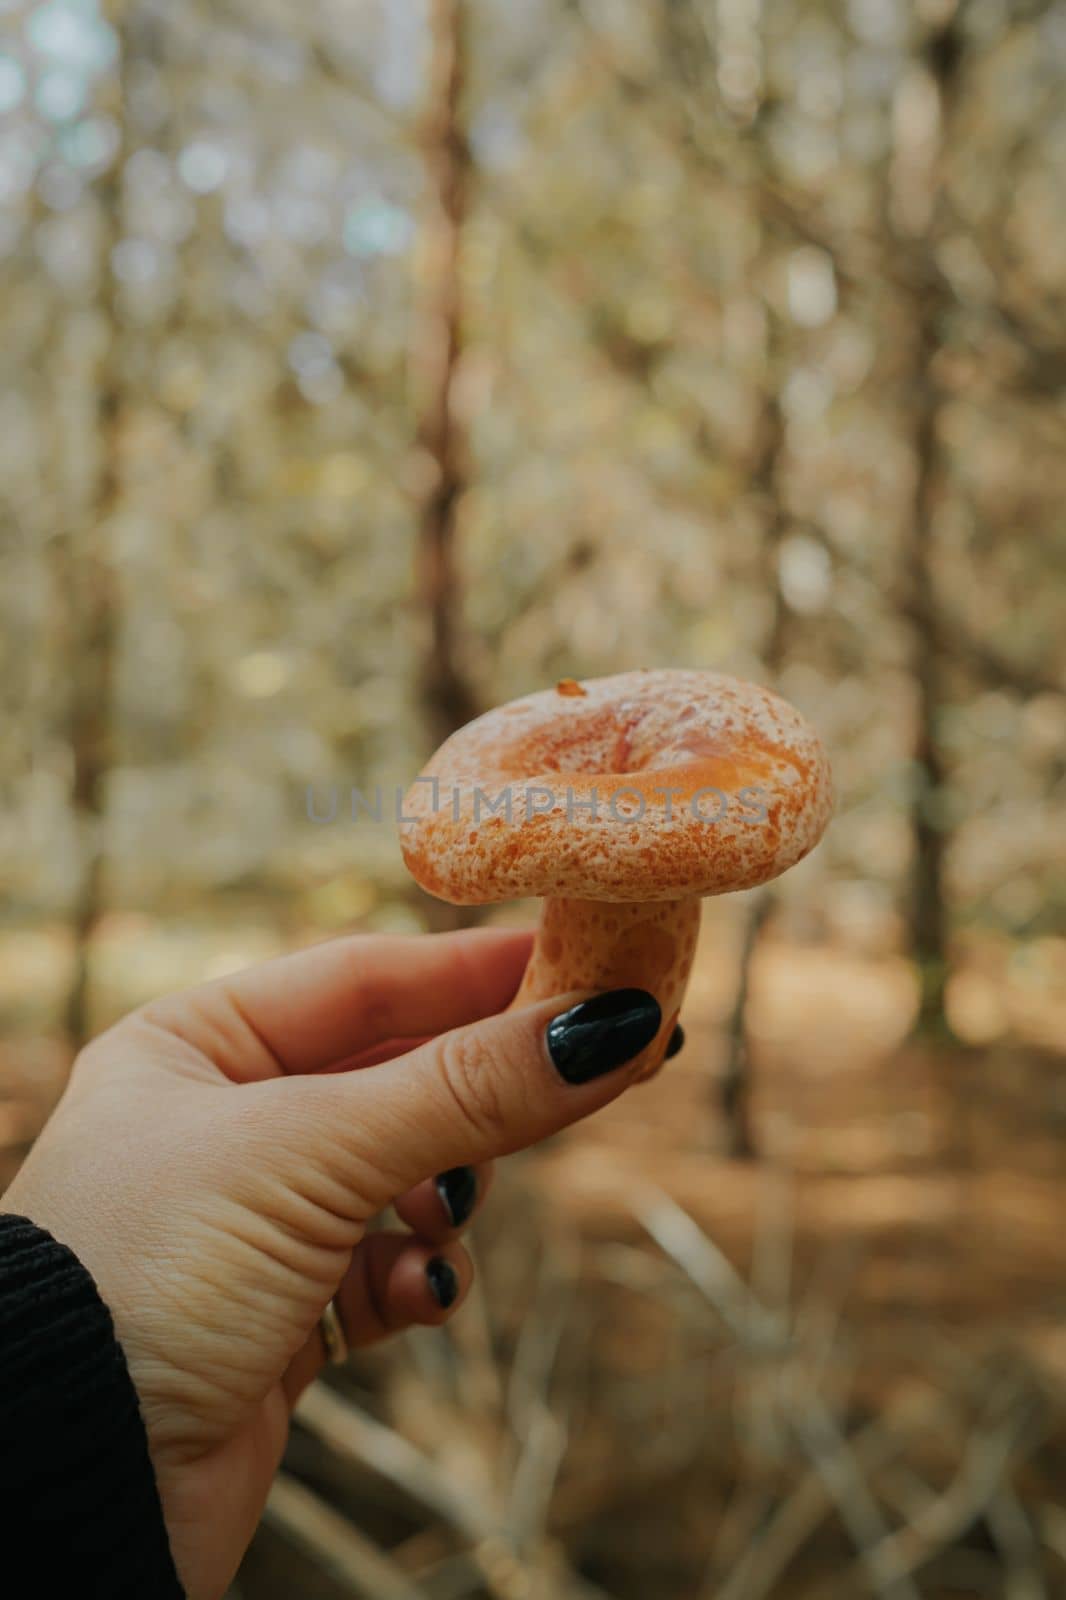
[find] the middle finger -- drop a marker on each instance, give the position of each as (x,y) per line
(438,1208)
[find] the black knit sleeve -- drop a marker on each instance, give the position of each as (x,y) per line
(79,1508)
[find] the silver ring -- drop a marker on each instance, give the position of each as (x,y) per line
(333,1336)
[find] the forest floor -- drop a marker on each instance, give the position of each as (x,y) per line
(907,1205)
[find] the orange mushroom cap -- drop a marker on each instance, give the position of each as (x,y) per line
(649,785)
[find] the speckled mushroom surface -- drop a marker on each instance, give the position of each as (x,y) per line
(622,800)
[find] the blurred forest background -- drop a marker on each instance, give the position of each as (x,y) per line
(369,362)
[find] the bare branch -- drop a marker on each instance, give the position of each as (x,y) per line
(334,1544)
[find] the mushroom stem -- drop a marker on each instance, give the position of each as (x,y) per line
(597,944)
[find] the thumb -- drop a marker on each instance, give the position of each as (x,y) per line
(485,1090)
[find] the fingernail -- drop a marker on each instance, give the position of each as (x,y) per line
(458,1193)
(443,1281)
(677,1040)
(597,1035)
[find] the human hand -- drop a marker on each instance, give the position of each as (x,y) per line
(218,1154)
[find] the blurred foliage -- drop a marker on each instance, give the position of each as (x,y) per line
(682,217)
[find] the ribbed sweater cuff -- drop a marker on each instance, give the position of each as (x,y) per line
(79,1504)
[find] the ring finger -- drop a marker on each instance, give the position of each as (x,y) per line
(394,1282)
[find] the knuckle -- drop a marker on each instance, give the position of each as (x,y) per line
(95,1058)
(473,1075)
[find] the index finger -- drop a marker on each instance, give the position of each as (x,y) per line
(307,1011)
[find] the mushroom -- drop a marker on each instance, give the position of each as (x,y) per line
(622,801)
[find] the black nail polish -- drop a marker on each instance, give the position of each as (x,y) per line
(597,1035)
(677,1042)
(458,1193)
(443,1281)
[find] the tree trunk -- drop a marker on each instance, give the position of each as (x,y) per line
(446,694)
(930,823)
(929,920)
(735,1083)
(94,616)
(90,598)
